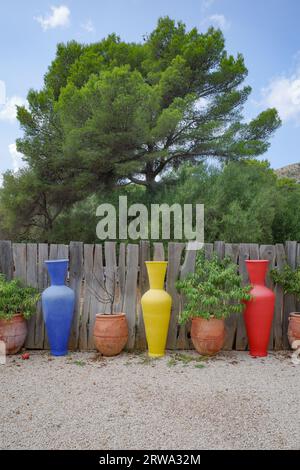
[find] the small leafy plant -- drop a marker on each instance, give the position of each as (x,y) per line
(214,290)
(15,298)
(288,279)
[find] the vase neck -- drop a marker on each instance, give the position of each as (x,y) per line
(57,270)
(257,270)
(156,273)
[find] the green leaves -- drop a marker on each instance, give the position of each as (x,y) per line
(15,298)
(288,279)
(213,290)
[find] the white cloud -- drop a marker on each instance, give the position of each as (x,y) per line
(283,93)
(218,21)
(16,156)
(88,26)
(8,111)
(60,16)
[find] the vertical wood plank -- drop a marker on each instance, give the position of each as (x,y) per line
(208,250)
(6,259)
(241,335)
(130,297)
(42,284)
(232,251)
(268,252)
(279,298)
(76,275)
(174,257)
(158,251)
(289,299)
(31,280)
(110,270)
(19,258)
(53,254)
(97,279)
(143,286)
(219,249)
(183,340)
(121,276)
(88,251)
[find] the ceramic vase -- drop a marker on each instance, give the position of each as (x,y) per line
(58,302)
(259,310)
(156,305)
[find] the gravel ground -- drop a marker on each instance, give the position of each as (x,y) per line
(84,401)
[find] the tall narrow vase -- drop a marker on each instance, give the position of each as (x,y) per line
(156,304)
(58,303)
(260,309)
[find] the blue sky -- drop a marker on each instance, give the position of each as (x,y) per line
(266,32)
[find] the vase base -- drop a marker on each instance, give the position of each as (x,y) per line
(258,354)
(155,355)
(58,353)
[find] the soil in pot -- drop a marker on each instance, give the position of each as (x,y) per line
(207,335)
(110,333)
(13,332)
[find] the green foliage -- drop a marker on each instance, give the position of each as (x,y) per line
(113,113)
(15,298)
(288,279)
(213,290)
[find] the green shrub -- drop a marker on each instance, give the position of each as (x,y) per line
(288,279)
(213,290)
(15,298)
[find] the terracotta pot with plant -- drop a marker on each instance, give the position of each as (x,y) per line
(110,329)
(17,304)
(289,280)
(212,293)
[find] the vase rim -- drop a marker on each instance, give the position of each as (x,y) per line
(56,260)
(110,315)
(257,261)
(156,262)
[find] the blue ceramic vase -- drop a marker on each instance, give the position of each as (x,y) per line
(58,302)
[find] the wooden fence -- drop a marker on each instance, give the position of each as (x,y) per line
(127,263)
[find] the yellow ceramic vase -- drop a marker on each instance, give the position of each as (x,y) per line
(156,305)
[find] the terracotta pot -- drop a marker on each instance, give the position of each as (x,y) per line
(294,327)
(13,332)
(260,309)
(208,335)
(110,333)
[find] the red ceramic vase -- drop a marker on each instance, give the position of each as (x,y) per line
(260,309)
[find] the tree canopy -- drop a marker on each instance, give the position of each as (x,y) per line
(128,117)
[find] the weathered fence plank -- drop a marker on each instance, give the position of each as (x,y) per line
(158,252)
(130,297)
(42,284)
(289,299)
(268,252)
(174,254)
(232,251)
(76,274)
(6,259)
(278,311)
(241,335)
(96,280)
(88,262)
(143,286)
(31,280)
(183,340)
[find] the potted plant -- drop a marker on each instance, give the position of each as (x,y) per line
(289,280)
(212,293)
(110,329)
(17,304)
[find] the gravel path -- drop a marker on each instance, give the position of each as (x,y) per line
(83,401)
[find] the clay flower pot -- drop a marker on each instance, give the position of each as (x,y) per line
(294,329)
(13,332)
(208,335)
(110,333)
